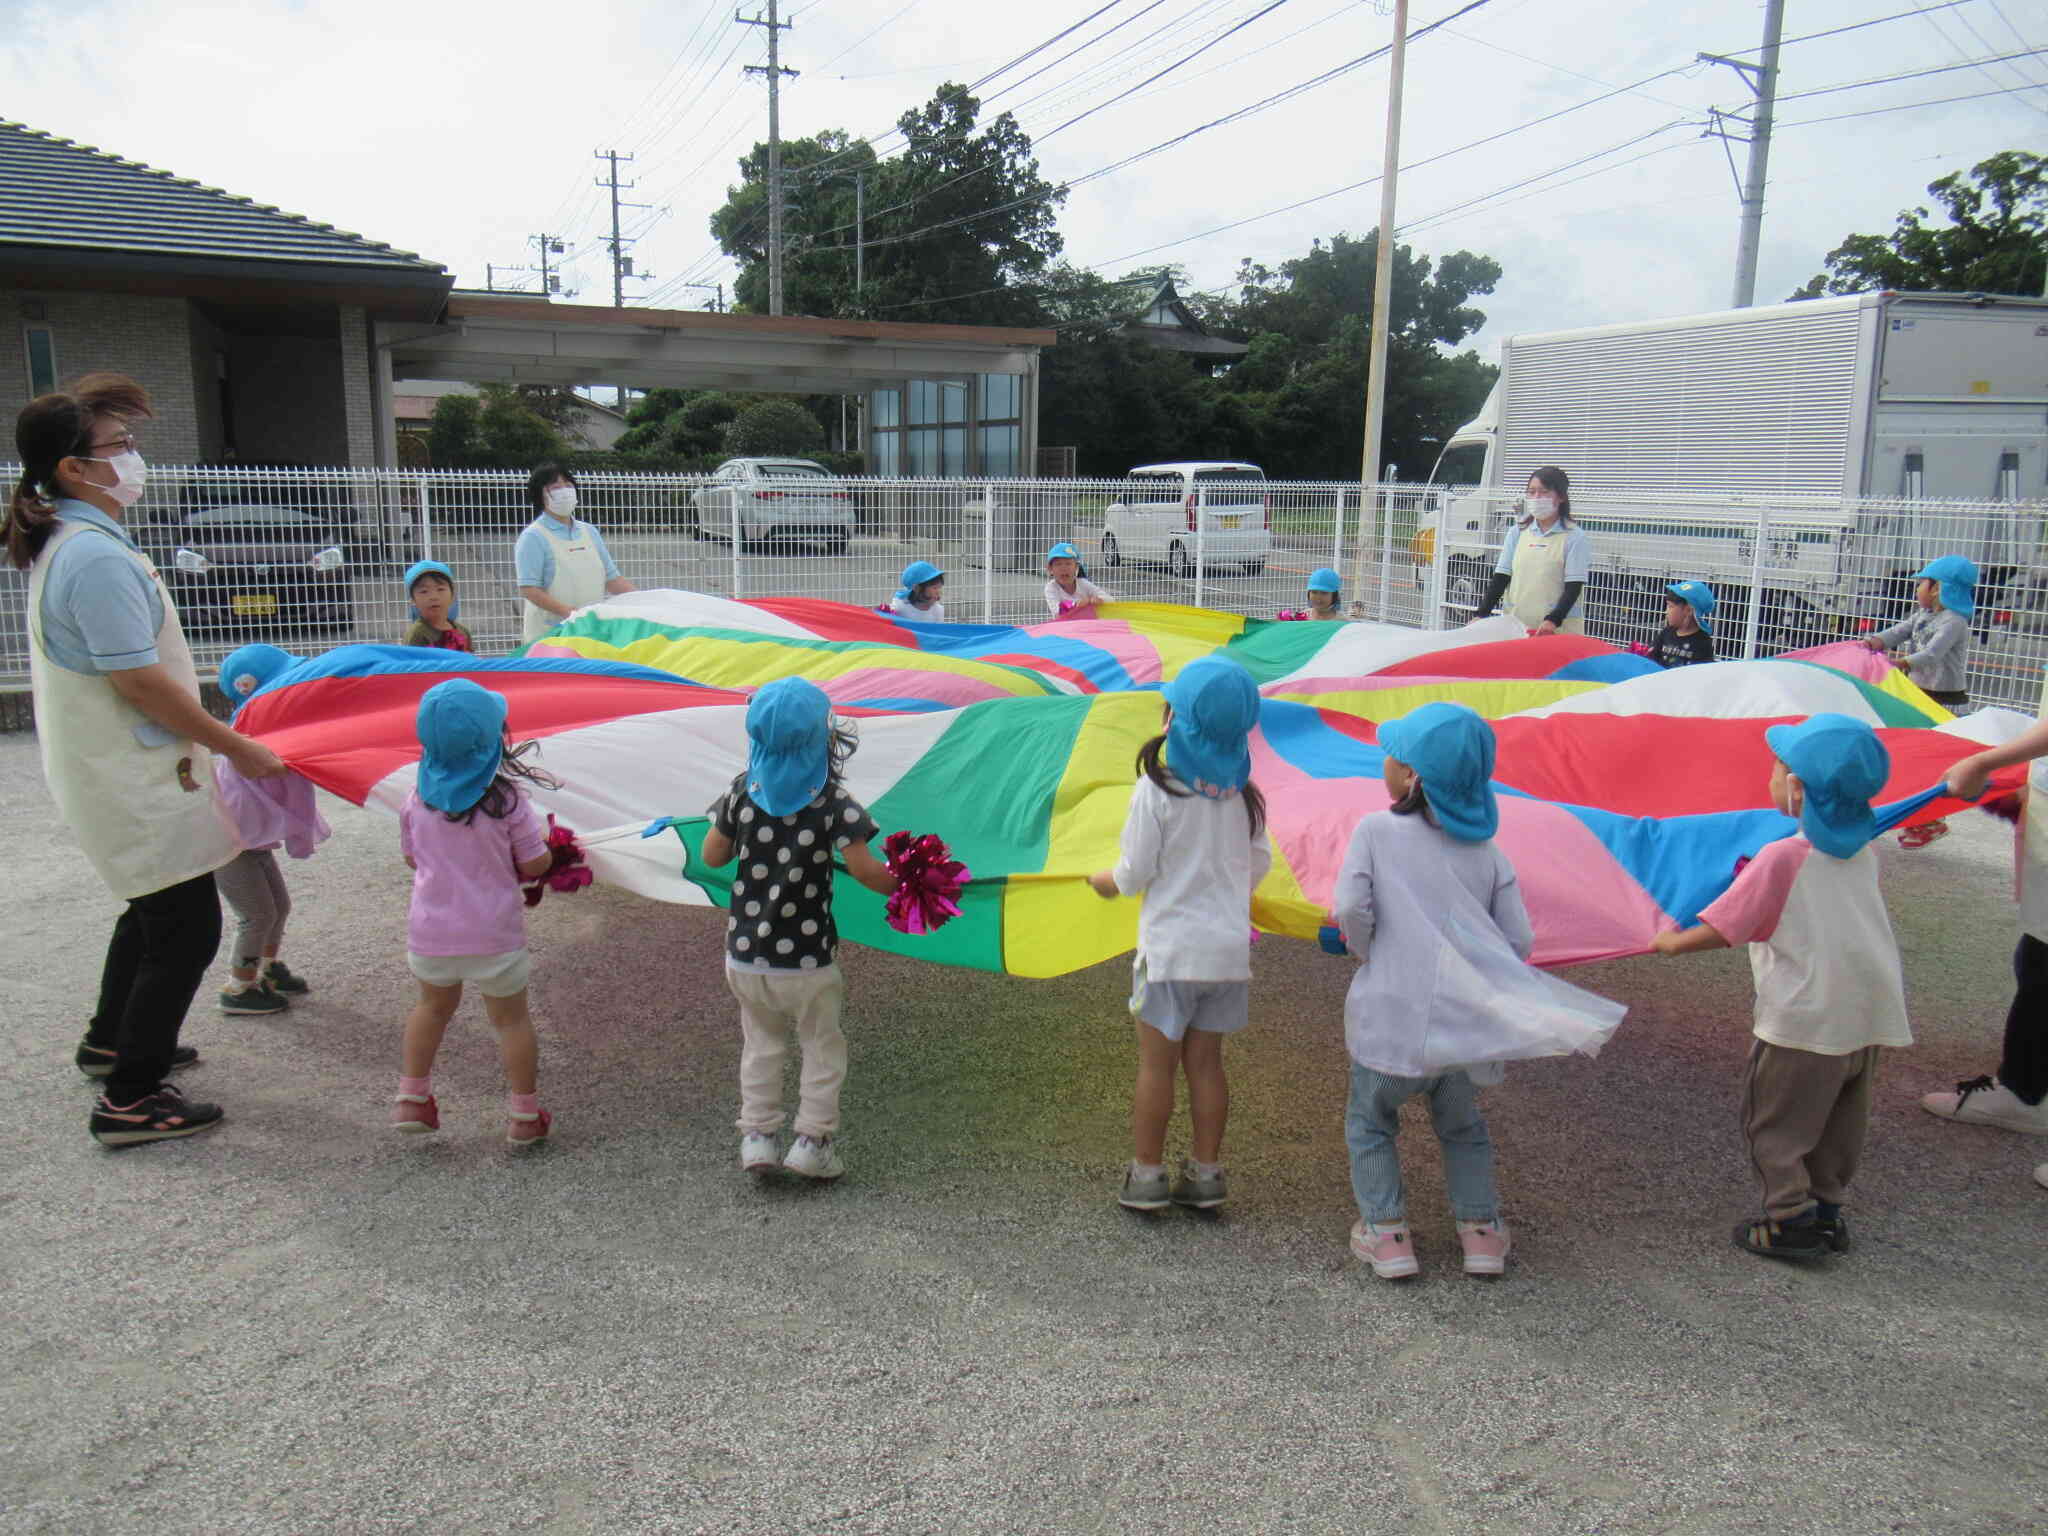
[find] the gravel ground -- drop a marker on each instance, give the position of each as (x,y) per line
(302,1323)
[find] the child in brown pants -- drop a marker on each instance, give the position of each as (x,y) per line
(1828,986)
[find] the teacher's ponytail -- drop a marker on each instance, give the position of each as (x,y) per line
(50,429)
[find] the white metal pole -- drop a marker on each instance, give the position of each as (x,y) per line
(426,522)
(1383,271)
(988,553)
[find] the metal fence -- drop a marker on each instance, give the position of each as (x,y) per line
(243,550)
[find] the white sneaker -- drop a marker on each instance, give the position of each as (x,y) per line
(1985,1101)
(757,1152)
(814,1158)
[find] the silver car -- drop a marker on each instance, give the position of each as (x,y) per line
(765,500)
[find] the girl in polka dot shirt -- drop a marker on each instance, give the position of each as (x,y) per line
(782,821)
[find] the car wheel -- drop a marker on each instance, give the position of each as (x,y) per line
(1111,557)
(1463,592)
(1178,565)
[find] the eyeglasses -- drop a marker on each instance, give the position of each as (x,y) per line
(125,443)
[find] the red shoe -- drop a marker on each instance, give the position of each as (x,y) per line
(1923,834)
(414,1115)
(524,1131)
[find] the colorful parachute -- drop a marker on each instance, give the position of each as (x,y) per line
(1628,795)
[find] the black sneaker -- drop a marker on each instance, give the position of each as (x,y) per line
(1835,1229)
(1799,1241)
(280,977)
(252,1000)
(158,1116)
(97,1061)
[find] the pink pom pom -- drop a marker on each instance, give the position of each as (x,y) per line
(566,871)
(929,881)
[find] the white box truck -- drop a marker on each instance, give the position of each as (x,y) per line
(1816,421)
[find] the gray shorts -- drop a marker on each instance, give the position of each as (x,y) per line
(1175,1007)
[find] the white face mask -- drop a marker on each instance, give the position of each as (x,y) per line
(1542,508)
(562,501)
(129,474)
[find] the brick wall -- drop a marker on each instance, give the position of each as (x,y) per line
(287,399)
(149,339)
(358,387)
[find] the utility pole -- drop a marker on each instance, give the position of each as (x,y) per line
(1762,78)
(774,71)
(549,246)
(860,233)
(1383,278)
(717,304)
(622,264)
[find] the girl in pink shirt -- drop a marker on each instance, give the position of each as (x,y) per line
(470,834)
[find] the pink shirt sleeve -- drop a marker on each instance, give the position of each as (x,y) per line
(1748,911)
(405,815)
(528,832)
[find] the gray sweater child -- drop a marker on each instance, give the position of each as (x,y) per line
(1936,648)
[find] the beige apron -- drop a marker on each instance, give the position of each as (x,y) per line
(1536,581)
(138,798)
(579,579)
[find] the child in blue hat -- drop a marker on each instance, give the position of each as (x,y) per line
(918,593)
(783,819)
(1687,637)
(259,982)
(1325,591)
(1195,847)
(470,835)
(1068,585)
(1933,644)
(1829,991)
(1443,993)
(430,589)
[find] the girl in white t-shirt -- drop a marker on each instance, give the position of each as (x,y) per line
(1069,587)
(918,593)
(1194,843)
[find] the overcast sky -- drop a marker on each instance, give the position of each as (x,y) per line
(456,128)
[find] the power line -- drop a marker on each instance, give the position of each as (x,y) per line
(1953,46)
(849,48)
(1983,41)
(1004,69)
(1916,74)
(1908,106)
(1854,26)
(1677,106)
(1081,48)
(1263,11)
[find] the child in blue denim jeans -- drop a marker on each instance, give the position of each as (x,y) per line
(1432,908)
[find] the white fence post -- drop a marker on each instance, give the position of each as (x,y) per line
(1439,563)
(988,552)
(426,522)
(1386,551)
(738,579)
(1201,545)
(1756,584)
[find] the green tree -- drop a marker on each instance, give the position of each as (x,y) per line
(451,431)
(773,428)
(493,429)
(958,224)
(1995,241)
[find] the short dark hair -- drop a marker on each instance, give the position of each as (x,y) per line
(543,476)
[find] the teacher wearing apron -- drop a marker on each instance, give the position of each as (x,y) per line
(126,745)
(1544,564)
(561,562)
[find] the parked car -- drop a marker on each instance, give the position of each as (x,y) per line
(1163,506)
(253,568)
(774,499)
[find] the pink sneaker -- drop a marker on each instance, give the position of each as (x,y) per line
(524,1132)
(1389,1249)
(1486,1246)
(414,1115)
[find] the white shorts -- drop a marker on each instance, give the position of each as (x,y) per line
(495,975)
(1175,1007)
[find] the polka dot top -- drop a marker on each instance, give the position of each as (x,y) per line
(782,883)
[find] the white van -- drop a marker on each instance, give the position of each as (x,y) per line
(1163,506)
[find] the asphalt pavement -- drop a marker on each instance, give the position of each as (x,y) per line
(302,1323)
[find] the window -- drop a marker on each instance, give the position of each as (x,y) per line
(888,408)
(888,448)
(2008,478)
(953,442)
(998,451)
(921,453)
(953,403)
(792,469)
(998,397)
(924,402)
(41,345)
(1462,464)
(1912,475)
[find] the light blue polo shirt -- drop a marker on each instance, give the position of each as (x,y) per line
(100,611)
(1578,549)
(533,557)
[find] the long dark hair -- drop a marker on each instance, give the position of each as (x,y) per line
(1152,763)
(1415,802)
(1559,484)
(502,798)
(50,429)
(543,476)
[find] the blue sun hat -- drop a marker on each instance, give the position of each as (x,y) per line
(1451,750)
(253,668)
(1215,705)
(789,724)
(1701,598)
(1958,580)
(915,575)
(432,568)
(1062,551)
(1840,764)
(1324,580)
(462,740)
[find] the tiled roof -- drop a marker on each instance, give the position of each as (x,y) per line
(54,192)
